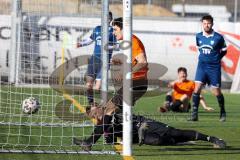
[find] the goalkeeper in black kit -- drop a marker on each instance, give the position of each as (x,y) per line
(145,131)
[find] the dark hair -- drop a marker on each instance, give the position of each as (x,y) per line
(183,69)
(207,17)
(118,22)
(110,16)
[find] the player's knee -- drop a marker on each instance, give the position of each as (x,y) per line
(198,87)
(216,91)
(197,90)
(185,102)
(184,98)
(97,85)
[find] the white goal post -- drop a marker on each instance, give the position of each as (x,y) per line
(127,83)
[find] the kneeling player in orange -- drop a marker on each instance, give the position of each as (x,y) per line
(178,100)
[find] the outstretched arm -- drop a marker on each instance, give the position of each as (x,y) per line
(84,42)
(113,46)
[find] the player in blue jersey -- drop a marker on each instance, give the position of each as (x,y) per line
(212,48)
(94,64)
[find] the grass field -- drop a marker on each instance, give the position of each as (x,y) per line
(208,123)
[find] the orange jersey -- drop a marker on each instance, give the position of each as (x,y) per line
(181,88)
(138,48)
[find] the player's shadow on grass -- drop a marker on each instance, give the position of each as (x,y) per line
(187,151)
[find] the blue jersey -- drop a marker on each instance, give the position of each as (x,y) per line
(210,47)
(97,37)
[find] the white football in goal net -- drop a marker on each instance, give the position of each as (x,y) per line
(30,105)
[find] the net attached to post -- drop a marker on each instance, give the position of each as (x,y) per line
(47,66)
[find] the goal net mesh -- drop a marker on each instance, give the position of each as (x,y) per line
(46,61)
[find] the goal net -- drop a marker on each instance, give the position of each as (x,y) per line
(40,47)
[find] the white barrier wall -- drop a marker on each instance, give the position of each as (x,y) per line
(170,43)
(5,34)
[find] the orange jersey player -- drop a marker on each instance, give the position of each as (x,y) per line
(139,73)
(139,66)
(182,88)
(178,100)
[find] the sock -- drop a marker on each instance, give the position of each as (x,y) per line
(175,106)
(196,100)
(168,99)
(97,133)
(220,99)
(203,137)
(106,122)
(90,96)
